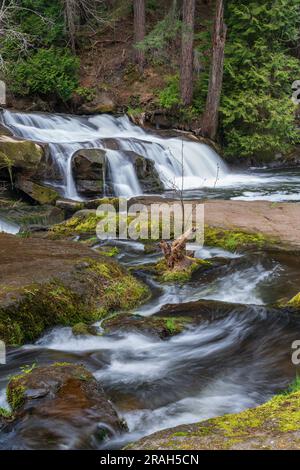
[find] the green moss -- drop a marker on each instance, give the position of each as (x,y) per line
(4,413)
(179,275)
(43,194)
(15,395)
(295,301)
(233,240)
(281,413)
(109,251)
(61,364)
(95,291)
(80,329)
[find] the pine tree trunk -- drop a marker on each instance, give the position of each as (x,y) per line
(139,30)
(210,116)
(187,42)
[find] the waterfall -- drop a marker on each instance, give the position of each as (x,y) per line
(179,162)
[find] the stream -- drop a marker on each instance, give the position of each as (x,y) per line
(237,358)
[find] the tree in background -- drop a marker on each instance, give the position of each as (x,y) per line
(139,31)
(210,116)
(77,10)
(187,42)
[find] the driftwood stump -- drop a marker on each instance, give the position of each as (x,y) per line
(175,252)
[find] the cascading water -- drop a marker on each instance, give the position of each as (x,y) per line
(179,163)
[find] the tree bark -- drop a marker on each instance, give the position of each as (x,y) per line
(174,253)
(187,43)
(211,113)
(139,30)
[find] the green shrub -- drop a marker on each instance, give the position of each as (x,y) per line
(47,72)
(170,95)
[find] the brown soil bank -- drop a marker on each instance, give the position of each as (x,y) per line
(45,283)
(272,426)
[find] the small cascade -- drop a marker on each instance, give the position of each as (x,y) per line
(180,163)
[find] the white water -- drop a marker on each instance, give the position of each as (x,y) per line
(131,364)
(202,167)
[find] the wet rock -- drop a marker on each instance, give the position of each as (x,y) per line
(146,172)
(41,286)
(38,192)
(28,216)
(82,329)
(4,130)
(102,103)
(19,154)
(272,426)
(60,406)
(205,310)
(69,206)
(89,170)
(160,327)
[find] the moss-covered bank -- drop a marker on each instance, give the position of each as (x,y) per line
(274,425)
(91,290)
(233,240)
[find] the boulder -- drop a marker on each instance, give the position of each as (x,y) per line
(21,154)
(69,206)
(41,194)
(60,406)
(102,103)
(147,174)
(160,327)
(29,216)
(89,170)
(45,283)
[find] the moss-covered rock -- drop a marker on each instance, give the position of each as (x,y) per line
(62,284)
(158,326)
(83,329)
(294,302)
(22,154)
(59,406)
(38,192)
(29,216)
(274,425)
(233,240)
(179,274)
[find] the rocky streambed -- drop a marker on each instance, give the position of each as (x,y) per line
(103,353)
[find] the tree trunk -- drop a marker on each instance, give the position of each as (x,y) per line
(139,30)
(210,116)
(70,14)
(187,42)
(175,253)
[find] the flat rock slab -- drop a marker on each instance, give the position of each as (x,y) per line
(24,261)
(277,220)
